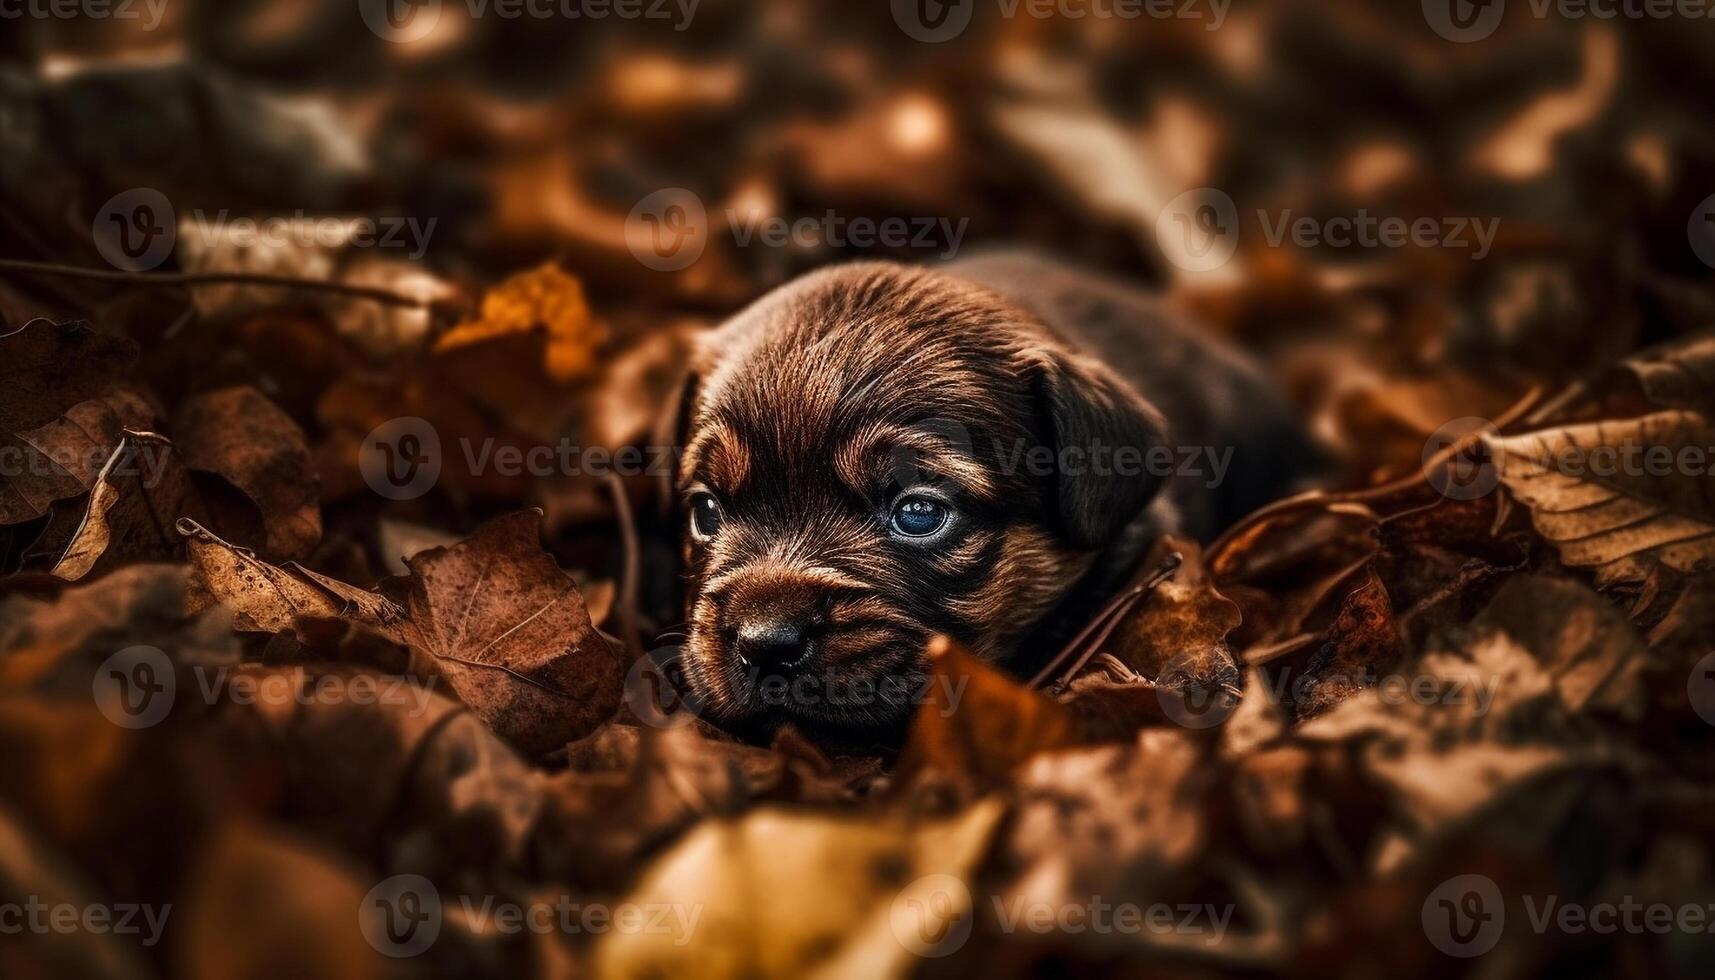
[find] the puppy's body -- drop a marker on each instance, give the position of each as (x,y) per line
(1209,394)
(1020,410)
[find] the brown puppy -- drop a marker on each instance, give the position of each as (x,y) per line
(875,453)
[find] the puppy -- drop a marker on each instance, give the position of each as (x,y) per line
(875,453)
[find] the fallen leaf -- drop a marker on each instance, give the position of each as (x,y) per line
(52,366)
(785,894)
(240,435)
(1178,635)
(977,725)
(268,598)
(1359,647)
(546,297)
(63,458)
(633,790)
(1118,814)
(1679,374)
(1595,656)
(55,644)
(509,631)
(1625,521)
(138,496)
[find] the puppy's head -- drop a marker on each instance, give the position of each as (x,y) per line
(874,454)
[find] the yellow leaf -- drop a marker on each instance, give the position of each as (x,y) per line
(546,296)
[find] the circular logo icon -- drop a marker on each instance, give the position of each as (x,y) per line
(1194,702)
(401,458)
(400,21)
(668,230)
(135,687)
(401,916)
(1464,916)
(136,229)
(1464,21)
(1700,687)
(1471,472)
(1701,231)
(933,21)
(658,691)
(1198,231)
(932,916)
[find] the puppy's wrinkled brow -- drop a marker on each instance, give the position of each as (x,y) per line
(718,456)
(883,454)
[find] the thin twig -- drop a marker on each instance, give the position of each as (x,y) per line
(1089,640)
(377,293)
(630,568)
(1323,498)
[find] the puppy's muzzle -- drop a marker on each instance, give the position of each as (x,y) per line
(773,620)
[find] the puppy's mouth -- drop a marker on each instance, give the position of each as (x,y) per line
(855,686)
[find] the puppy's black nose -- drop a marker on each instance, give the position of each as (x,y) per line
(773,644)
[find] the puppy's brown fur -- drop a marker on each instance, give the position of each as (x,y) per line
(810,413)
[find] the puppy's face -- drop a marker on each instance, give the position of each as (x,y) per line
(855,479)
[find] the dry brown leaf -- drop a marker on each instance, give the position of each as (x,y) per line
(1115,813)
(1594,655)
(47,367)
(140,493)
(240,435)
(1360,646)
(509,631)
(63,457)
(977,724)
(1677,375)
(361,769)
(268,598)
(634,789)
(56,643)
(1619,514)
(1178,636)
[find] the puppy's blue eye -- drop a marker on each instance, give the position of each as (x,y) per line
(918,517)
(705,516)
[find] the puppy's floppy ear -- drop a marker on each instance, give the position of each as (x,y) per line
(1090,411)
(673,428)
